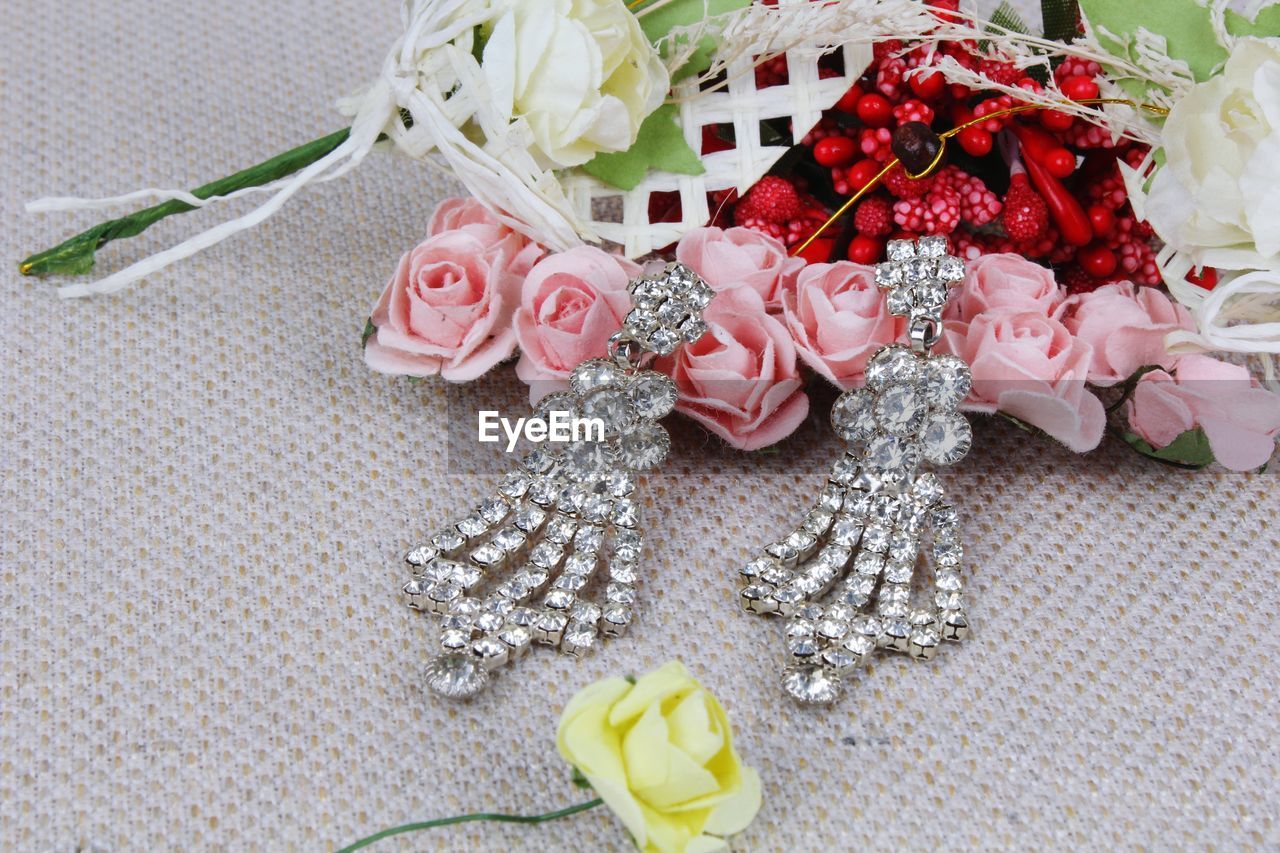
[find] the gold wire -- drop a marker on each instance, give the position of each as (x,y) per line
(942,150)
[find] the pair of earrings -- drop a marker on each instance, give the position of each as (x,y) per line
(842,578)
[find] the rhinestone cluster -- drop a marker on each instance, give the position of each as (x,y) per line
(567,518)
(859,547)
(919,276)
(668,306)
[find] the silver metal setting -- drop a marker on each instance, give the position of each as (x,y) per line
(844,577)
(566,515)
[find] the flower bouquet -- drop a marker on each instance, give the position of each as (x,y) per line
(1106,173)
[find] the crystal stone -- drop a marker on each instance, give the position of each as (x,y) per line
(611,406)
(664,341)
(931,247)
(594,373)
(456,676)
(644,446)
(561,401)
(900,250)
(853,416)
(422,555)
(890,457)
(947,380)
(811,684)
(653,394)
(589,539)
(946,437)
(892,365)
(586,459)
(900,409)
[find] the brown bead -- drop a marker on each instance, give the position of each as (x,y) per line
(917,146)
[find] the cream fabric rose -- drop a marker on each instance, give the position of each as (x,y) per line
(1215,198)
(580,72)
(660,754)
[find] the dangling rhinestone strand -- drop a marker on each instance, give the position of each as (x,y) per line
(859,546)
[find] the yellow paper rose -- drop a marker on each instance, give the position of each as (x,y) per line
(660,754)
(580,73)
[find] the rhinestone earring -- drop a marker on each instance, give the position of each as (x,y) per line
(860,545)
(565,512)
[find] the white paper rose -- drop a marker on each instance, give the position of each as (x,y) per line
(580,72)
(1216,198)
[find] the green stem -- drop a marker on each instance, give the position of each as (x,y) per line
(75,256)
(469,818)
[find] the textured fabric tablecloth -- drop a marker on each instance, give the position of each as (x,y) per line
(206,497)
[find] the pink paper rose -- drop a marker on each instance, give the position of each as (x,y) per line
(448,308)
(1028,365)
(740,379)
(739,257)
(1240,419)
(571,303)
(1126,326)
(838,318)
(453,214)
(1004,281)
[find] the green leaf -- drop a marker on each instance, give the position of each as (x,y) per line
(1189,450)
(369,329)
(1058,17)
(1006,16)
(1185,25)
(1265,25)
(662,19)
(580,780)
(659,145)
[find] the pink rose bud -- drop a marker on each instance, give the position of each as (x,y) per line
(838,318)
(1126,325)
(1005,281)
(740,379)
(571,303)
(1028,365)
(448,308)
(1240,419)
(740,257)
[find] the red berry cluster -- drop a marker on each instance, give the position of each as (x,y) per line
(1041,183)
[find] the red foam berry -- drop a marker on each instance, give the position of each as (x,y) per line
(1103,220)
(978,205)
(835,151)
(976,141)
(1056,119)
(874,110)
(772,72)
(1077,280)
(1060,163)
(898,183)
(772,200)
(936,213)
(874,217)
(1073,66)
(1080,88)
(876,143)
(994,105)
(848,102)
(862,173)
(1206,278)
(913,110)
(1085,135)
(1026,217)
(928,85)
(1000,73)
(1098,261)
(864,249)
